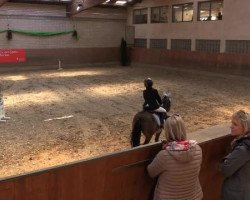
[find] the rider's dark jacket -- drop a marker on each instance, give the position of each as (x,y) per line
(152,99)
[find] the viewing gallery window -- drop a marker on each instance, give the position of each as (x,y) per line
(140,16)
(210,10)
(159,14)
(182,12)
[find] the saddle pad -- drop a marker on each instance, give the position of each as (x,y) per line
(157,119)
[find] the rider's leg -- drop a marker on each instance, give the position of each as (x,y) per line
(162,113)
(161,119)
(161,110)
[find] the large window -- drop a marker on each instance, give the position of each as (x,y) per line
(238,46)
(210,10)
(140,42)
(158,43)
(181,44)
(141,16)
(182,12)
(208,45)
(159,14)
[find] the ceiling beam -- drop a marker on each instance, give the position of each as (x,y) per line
(2,2)
(49,2)
(112,1)
(133,2)
(78,6)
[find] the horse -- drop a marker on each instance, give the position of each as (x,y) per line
(144,122)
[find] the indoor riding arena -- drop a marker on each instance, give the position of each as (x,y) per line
(69,91)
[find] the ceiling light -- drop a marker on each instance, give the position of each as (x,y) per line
(79,7)
(120,3)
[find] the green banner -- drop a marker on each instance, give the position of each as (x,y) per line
(43,34)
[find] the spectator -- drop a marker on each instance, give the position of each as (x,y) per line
(177,165)
(236,165)
(124,53)
(219,17)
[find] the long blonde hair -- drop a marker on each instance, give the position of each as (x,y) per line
(175,128)
(244,118)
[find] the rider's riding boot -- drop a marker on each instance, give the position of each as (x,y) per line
(161,115)
(165,116)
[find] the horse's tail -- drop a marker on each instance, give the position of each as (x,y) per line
(136,133)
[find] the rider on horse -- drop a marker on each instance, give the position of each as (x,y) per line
(153,100)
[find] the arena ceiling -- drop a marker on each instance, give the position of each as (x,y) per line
(76,6)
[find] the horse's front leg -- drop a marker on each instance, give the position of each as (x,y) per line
(157,135)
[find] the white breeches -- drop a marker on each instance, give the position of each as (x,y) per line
(161,110)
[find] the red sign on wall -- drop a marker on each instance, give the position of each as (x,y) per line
(12,55)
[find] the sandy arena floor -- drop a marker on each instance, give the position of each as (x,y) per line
(63,116)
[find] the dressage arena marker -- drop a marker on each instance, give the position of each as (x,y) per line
(59,65)
(63,117)
(3,118)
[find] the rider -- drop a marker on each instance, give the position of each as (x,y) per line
(153,100)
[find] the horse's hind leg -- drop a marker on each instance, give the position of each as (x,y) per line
(157,135)
(147,138)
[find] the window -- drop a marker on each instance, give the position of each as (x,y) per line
(140,42)
(159,14)
(238,46)
(208,45)
(181,44)
(141,16)
(158,43)
(210,10)
(182,12)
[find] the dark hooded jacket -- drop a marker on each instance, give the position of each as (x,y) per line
(236,170)
(152,99)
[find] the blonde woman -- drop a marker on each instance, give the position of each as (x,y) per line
(177,165)
(236,165)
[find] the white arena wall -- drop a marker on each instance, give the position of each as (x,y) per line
(99,29)
(233,58)
(233,26)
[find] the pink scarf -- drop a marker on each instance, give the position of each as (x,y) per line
(182,145)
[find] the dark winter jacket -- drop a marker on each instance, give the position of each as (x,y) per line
(236,170)
(152,99)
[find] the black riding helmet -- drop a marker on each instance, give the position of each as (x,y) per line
(148,82)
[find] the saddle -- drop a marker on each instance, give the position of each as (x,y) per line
(159,118)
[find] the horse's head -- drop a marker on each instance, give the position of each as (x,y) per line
(166,101)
